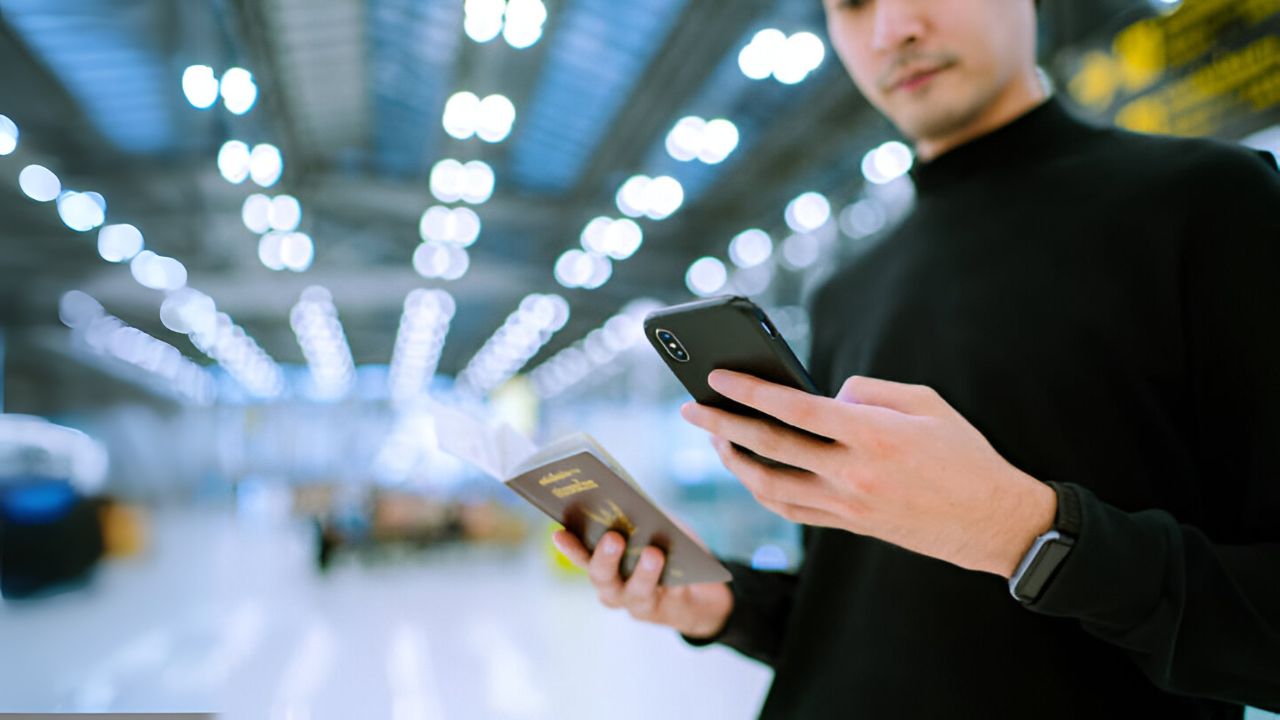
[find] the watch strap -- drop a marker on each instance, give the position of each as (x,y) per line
(1067,519)
(1050,550)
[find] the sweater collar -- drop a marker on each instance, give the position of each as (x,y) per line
(1026,137)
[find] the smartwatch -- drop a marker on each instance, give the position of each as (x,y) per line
(1050,550)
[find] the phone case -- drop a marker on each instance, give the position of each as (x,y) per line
(732,333)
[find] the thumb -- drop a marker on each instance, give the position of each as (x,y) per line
(902,397)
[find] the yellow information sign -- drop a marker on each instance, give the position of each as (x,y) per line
(1194,71)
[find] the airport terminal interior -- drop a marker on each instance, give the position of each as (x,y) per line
(263,263)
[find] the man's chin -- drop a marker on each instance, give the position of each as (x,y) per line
(930,118)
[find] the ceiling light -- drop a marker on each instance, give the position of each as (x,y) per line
(265,164)
(297,251)
(750,248)
(118,243)
(808,212)
(39,183)
(788,59)
(456,226)
(490,119)
(800,250)
(157,271)
(708,141)
(452,181)
(460,113)
(200,86)
(483,19)
(188,310)
(256,213)
(864,217)
(269,250)
(284,213)
(801,55)
(81,211)
(888,161)
(601,271)
(706,276)
(233,161)
(238,90)
(496,116)
(756,60)
(621,239)
(8,135)
(573,268)
(656,198)
(77,309)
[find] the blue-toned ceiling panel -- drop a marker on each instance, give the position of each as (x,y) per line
(599,52)
(413,44)
(103,53)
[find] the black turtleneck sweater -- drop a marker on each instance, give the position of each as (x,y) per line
(1105,308)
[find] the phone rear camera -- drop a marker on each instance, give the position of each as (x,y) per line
(672,345)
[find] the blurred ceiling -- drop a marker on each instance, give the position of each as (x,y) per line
(352,92)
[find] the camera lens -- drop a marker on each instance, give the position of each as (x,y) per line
(671,345)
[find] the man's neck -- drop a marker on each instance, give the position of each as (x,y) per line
(1017,98)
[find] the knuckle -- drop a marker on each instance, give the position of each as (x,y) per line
(879,444)
(641,610)
(865,483)
(856,480)
(804,414)
(602,577)
(763,436)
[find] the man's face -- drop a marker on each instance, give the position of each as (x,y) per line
(932,66)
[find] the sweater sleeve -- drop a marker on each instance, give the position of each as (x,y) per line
(761,604)
(1198,608)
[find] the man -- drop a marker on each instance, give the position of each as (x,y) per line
(1054,490)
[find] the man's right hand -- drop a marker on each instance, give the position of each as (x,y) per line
(698,610)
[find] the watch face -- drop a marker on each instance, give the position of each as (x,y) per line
(1047,558)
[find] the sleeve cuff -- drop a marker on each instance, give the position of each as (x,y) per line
(1114,574)
(731,624)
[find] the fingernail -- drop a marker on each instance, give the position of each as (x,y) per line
(612,546)
(649,561)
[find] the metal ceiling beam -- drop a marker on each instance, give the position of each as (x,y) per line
(321,52)
(253,26)
(703,35)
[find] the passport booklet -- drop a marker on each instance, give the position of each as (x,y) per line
(577,483)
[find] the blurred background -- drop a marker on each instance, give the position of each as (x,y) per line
(242,241)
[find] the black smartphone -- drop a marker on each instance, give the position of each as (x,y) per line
(727,332)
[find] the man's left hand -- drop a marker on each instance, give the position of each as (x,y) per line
(904,467)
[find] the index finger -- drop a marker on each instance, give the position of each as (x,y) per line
(796,408)
(571,547)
